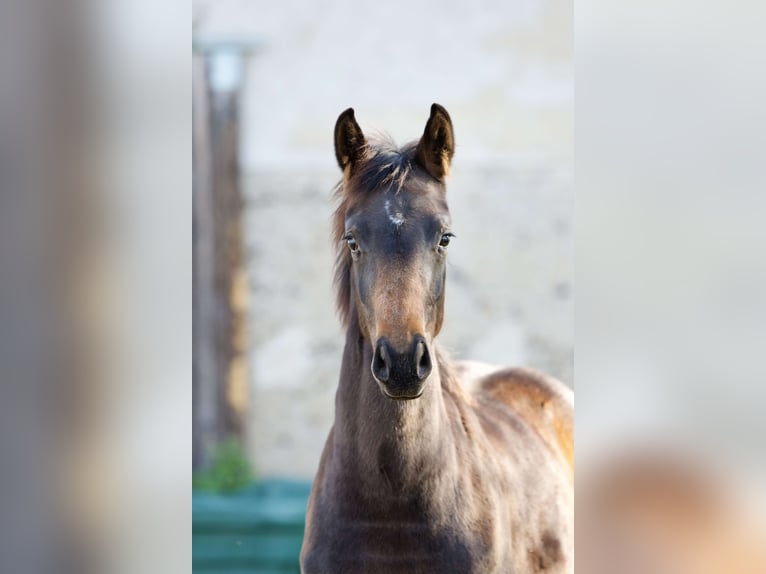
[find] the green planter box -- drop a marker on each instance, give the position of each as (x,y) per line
(256,531)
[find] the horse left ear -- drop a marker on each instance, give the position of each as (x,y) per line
(437,146)
(350,144)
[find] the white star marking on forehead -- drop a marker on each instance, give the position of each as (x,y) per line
(397,218)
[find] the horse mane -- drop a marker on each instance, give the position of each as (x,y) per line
(384,164)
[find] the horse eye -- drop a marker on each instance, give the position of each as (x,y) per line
(352,244)
(445,239)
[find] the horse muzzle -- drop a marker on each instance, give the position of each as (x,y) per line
(402,376)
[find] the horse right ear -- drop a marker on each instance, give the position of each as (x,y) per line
(437,146)
(350,145)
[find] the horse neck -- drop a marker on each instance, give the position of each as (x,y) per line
(405,444)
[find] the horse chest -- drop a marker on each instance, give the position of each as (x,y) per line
(394,548)
(378,546)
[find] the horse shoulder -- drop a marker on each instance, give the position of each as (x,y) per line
(543,402)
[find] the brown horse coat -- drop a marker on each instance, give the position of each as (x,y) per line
(471,470)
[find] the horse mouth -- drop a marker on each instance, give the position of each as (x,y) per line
(405,394)
(401,375)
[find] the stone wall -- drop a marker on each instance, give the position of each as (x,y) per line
(504,71)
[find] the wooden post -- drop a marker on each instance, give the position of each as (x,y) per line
(205,429)
(220,377)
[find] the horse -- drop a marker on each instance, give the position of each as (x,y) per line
(432,465)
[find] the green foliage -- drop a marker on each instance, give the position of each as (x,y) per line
(229,471)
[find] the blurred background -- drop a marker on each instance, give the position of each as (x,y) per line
(100,366)
(270,81)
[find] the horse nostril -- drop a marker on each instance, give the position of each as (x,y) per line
(381,362)
(422,360)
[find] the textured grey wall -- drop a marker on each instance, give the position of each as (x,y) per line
(504,71)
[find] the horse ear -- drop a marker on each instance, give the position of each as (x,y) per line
(437,146)
(350,144)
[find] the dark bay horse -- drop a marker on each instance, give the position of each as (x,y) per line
(432,466)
